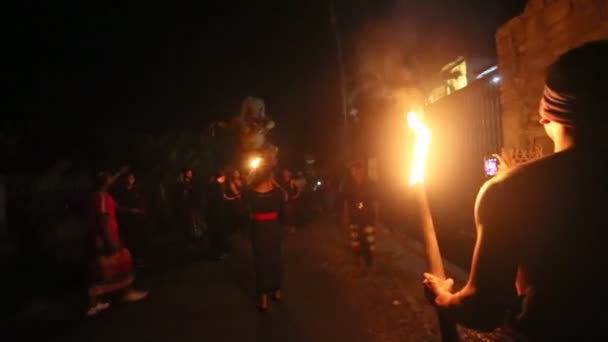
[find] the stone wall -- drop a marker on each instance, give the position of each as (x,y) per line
(526,45)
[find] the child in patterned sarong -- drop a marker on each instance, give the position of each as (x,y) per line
(112,266)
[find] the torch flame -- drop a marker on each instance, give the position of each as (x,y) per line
(255,162)
(421,147)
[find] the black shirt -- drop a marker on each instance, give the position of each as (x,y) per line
(215,198)
(129,198)
(360,200)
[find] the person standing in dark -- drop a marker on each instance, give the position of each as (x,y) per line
(131,216)
(292,193)
(187,207)
(216,216)
(361,212)
(234,193)
(539,264)
(111,267)
(265,201)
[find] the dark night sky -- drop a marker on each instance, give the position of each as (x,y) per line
(156,67)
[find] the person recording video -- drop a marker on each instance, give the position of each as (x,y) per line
(541,230)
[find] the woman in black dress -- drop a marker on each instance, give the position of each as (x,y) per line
(265,200)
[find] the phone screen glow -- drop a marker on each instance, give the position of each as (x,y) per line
(491,166)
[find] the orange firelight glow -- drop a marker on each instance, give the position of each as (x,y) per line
(255,162)
(421,147)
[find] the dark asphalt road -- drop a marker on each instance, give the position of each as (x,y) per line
(215,301)
(328,297)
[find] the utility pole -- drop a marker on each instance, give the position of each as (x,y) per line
(3,204)
(340,59)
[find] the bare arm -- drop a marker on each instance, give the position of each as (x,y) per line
(123,170)
(235,190)
(230,198)
(275,183)
(123,209)
(482,303)
(298,189)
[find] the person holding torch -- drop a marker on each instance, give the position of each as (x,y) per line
(539,263)
(265,201)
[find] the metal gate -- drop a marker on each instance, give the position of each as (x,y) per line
(466,126)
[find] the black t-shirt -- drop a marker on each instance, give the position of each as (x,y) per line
(129,198)
(360,200)
(188,195)
(215,198)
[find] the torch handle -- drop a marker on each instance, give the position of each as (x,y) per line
(431,246)
(449,332)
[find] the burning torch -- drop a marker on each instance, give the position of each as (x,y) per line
(435,264)
(255,162)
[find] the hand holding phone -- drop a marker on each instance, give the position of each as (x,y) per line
(491,165)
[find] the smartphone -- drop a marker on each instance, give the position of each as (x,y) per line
(491,165)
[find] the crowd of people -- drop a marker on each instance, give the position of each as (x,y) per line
(264,204)
(540,226)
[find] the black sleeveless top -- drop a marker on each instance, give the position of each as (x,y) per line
(265,202)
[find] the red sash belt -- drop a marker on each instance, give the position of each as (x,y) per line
(266,216)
